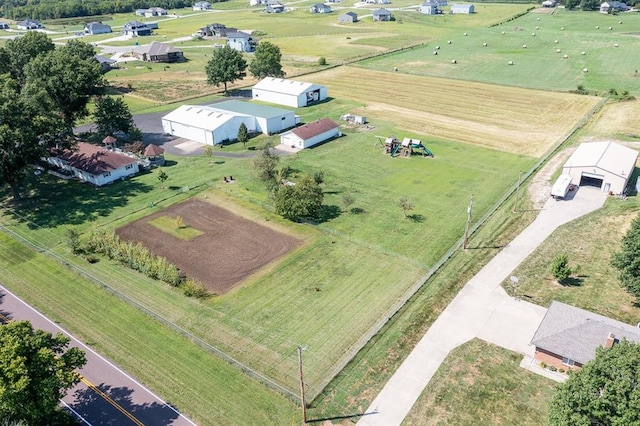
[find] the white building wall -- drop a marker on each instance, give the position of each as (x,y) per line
(188,132)
(610,181)
(276,98)
(320,138)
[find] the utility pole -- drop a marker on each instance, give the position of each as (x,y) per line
(466,229)
(304,403)
(515,205)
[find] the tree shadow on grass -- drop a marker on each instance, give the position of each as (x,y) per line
(49,202)
(572,281)
(416,217)
(328,213)
(357,210)
(94,406)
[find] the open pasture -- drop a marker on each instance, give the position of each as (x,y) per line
(542,64)
(506,118)
(228,250)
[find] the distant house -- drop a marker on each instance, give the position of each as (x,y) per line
(320,8)
(310,134)
(140,12)
(429,7)
(241,42)
(136,28)
(462,9)
(613,6)
(220,30)
(256,2)
(96,28)
(158,52)
(155,11)
(334,1)
(384,1)
(29,24)
(568,336)
(441,2)
(549,3)
(348,18)
(204,32)
(94,164)
(202,5)
(106,64)
(4,26)
(381,15)
(278,8)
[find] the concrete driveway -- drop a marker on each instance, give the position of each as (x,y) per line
(481,309)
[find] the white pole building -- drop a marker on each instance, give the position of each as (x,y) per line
(291,93)
(606,165)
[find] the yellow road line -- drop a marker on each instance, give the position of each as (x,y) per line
(96,390)
(110,401)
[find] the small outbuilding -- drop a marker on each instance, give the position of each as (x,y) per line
(381,15)
(106,64)
(94,164)
(201,5)
(158,52)
(286,92)
(348,18)
(242,42)
(605,165)
(29,24)
(429,7)
(4,26)
(310,134)
(549,3)
(154,155)
(320,8)
(93,28)
(462,9)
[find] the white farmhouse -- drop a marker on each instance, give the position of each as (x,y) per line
(286,92)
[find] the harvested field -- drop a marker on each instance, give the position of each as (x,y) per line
(510,119)
(230,249)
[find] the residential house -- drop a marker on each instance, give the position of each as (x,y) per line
(29,24)
(93,28)
(94,164)
(429,7)
(158,52)
(441,2)
(334,1)
(549,3)
(381,15)
(613,6)
(202,5)
(241,42)
(310,134)
(348,18)
(106,64)
(384,1)
(462,9)
(136,29)
(204,32)
(4,26)
(320,8)
(279,8)
(568,336)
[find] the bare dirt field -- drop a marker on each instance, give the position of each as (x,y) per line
(230,249)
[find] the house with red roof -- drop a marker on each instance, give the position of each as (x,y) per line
(94,164)
(310,134)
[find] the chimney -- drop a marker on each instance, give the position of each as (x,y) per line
(611,339)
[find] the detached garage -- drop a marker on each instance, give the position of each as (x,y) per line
(606,165)
(291,93)
(310,134)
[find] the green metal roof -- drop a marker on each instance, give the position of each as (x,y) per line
(249,108)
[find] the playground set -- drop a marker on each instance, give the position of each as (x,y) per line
(405,148)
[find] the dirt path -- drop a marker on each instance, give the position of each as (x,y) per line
(540,188)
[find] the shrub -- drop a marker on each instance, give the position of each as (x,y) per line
(192,288)
(552,368)
(560,267)
(73,241)
(322,61)
(92,258)
(543,364)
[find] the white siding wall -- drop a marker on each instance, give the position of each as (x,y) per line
(320,138)
(276,124)
(617,183)
(276,98)
(188,132)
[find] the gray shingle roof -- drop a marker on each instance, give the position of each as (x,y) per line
(576,333)
(156,48)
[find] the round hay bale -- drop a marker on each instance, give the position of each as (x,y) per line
(610,28)
(583,53)
(510,62)
(395,68)
(565,56)
(448,41)
(537,28)
(465,34)
(597,27)
(562,29)
(437,47)
(557,50)
(619,22)
(615,45)
(585,69)
(537,19)
(555,41)
(533,34)
(453,61)
(524,46)
(484,44)
(435,52)
(503,33)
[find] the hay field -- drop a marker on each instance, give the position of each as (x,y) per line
(509,119)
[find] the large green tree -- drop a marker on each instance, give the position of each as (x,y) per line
(17,53)
(36,370)
(63,81)
(627,260)
(300,201)
(225,66)
(112,115)
(266,61)
(604,392)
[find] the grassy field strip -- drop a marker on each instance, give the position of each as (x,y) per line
(190,378)
(536,120)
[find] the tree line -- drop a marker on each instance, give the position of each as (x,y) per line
(55,9)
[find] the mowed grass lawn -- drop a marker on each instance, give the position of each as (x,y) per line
(539,65)
(589,242)
(480,383)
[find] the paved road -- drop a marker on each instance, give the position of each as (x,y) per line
(482,309)
(106,395)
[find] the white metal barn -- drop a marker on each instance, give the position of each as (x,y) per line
(606,165)
(310,134)
(267,119)
(288,92)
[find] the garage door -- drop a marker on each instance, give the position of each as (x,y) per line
(591,179)
(188,132)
